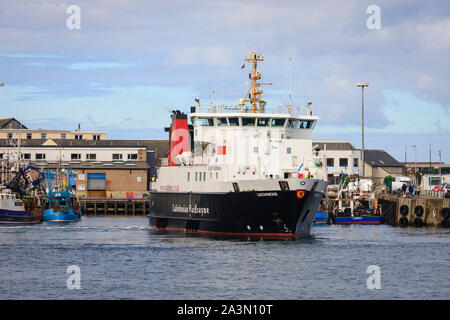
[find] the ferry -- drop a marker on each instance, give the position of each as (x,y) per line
(245,170)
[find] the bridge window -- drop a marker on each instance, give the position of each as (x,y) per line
(263,122)
(278,122)
(305,124)
(292,123)
(222,122)
(233,121)
(248,121)
(205,121)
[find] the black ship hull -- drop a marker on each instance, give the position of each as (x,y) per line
(266,214)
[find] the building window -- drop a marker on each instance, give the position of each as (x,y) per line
(204,176)
(91,156)
(188,176)
(343,162)
(196,176)
(43,136)
(78,137)
(117,156)
(40,156)
(132,156)
(330,162)
(29,136)
(1,155)
(288,150)
(255,149)
(63,136)
(75,156)
(96,137)
(355,162)
(26,156)
(10,135)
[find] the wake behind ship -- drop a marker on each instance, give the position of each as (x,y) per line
(245,170)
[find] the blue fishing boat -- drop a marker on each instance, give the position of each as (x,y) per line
(321,218)
(355,211)
(61,204)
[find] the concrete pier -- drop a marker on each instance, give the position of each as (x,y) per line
(417,212)
(108,206)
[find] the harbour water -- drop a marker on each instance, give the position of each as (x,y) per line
(121,258)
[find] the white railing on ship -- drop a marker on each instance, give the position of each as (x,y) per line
(285,109)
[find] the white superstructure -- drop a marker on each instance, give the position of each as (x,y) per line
(250,141)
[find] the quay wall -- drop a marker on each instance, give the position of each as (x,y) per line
(417,212)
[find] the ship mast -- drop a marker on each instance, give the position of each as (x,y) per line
(255,91)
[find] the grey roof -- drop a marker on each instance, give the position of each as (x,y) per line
(161,146)
(4,123)
(334,145)
(380,158)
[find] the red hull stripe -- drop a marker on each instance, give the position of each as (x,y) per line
(204,232)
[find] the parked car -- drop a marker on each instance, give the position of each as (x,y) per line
(443,187)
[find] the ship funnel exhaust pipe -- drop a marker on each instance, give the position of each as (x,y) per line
(178,136)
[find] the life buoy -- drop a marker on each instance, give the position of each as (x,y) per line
(445,213)
(403,222)
(404,209)
(418,222)
(418,211)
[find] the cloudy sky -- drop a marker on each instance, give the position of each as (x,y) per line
(131,62)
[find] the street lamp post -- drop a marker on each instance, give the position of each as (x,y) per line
(362,85)
(415,160)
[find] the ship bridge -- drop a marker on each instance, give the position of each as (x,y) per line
(252,140)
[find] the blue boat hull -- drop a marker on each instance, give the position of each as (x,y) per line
(50,215)
(358,220)
(18,217)
(321,218)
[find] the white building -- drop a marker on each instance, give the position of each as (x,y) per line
(339,156)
